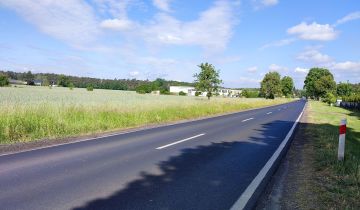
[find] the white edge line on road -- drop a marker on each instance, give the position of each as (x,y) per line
(249,191)
(177,142)
(247,119)
(269,113)
(137,129)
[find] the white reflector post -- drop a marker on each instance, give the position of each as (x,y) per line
(342,133)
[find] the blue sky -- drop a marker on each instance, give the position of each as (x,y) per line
(146,39)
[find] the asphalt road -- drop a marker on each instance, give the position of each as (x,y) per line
(204,164)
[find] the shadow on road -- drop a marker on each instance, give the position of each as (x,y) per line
(206,177)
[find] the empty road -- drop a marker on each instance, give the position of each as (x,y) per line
(205,164)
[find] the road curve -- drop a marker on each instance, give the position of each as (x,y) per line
(204,164)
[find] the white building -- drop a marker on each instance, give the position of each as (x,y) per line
(190,91)
(186,89)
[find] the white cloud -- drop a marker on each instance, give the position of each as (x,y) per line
(252,69)
(313,31)
(71,21)
(301,70)
(347,18)
(212,30)
(116,24)
(275,67)
(347,66)
(313,56)
(163,5)
(278,43)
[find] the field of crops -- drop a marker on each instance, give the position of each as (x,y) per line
(33,113)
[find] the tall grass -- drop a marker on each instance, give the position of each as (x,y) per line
(32,113)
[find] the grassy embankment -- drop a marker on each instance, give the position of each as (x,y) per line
(337,184)
(32,113)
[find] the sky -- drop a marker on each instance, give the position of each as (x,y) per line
(147,39)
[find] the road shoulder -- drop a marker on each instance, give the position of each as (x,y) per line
(290,186)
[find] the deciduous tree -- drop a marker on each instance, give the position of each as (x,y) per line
(318,82)
(4,81)
(287,86)
(208,80)
(271,85)
(343,89)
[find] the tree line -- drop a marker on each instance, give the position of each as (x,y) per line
(143,86)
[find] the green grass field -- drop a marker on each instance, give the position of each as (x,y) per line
(33,113)
(337,183)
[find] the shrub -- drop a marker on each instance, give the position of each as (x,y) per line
(329,98)
(182,93)
(164,92)
(352,98)
(90,87)
(4,81)
(145,88)
(71,86)
(197,93)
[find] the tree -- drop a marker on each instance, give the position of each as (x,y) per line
(343,89)
(318,82)
(208,79)
(287,86)
(29,78)
(63,81)
(89,87)
(250,93)
(145,88)
(71,86)
(271,85)
(4,81)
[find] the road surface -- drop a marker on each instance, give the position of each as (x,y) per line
(204,164)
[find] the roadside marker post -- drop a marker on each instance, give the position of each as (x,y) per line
(342,133)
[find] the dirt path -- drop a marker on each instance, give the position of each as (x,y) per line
(290,187)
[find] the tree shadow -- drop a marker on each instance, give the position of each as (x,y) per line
(206,177)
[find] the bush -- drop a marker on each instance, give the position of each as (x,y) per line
(164,92)
(353,98)
(329,98)
(90,88)
(4,81)
(71,86)
(197,93)
(182,93)
(145,88)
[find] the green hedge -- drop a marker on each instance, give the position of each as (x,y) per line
(352,98)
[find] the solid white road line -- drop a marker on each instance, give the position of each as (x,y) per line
(247,119)
(269,113)
(247,194)
(177,142)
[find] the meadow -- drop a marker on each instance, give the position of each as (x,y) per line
(33,113)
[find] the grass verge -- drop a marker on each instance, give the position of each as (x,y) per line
(337,184)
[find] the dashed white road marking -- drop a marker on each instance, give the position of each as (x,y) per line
(247,119)
(177,142)
(269,113)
